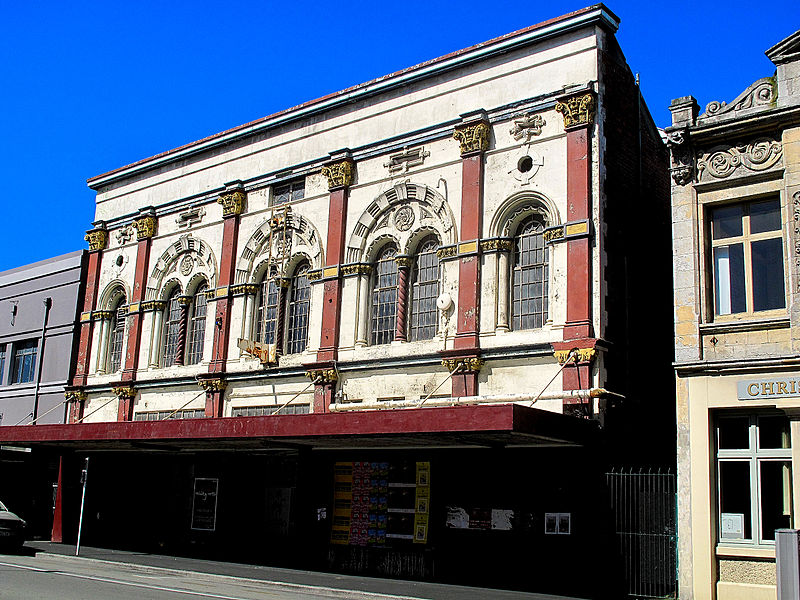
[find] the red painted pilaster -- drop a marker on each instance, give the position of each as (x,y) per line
(57,534)
(324,378)
(145,230)
(578,112)
(126,395)
(98,239)
(215,395)
(233,205)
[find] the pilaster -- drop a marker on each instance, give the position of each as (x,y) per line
(145,227)
(215,395)
(98,240)
(126,394)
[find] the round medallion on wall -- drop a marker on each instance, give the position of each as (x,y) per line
(404,218)
(527,166)
(187,264)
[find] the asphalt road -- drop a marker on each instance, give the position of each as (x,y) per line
(68,578)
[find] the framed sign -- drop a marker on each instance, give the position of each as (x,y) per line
(204,503)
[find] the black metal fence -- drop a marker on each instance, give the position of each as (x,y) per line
(644,508)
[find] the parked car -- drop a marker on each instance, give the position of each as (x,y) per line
(12,529)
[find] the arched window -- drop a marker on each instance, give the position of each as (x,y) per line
(299,303)
(425,290)
(384,297)
(117,336)
(172,327)
(197,326)
(267,311)
(529,295)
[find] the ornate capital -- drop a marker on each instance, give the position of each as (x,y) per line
(75,396)
(578,111)
(232,203)
(124,391)
(553,234)
(185,300)
(447,252)
(339,174)
(356,269)
(577,355)
(470,364)
(154,305)
(244,288)
(102,315)
(315,275)
(404,262)
(322,375)
(472,137)
(497,245)
(212,385)
(145,227)
(97,238)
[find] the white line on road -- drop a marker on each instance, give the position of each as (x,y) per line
(296,586)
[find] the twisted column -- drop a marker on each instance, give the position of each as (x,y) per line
(403,267)
(180,349)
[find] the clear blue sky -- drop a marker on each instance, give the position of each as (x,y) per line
(91,86)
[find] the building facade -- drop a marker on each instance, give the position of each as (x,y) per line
(735,210)
(38,335)
(393,330)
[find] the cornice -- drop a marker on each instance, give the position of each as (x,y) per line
(593,15)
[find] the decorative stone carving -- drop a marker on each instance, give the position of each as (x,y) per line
(339,174)
(447,252)
(578,355)
(400,163)
(184,300)
(761,93)
(102,315)
(172,259)
(551,235)
(75,396)
(357,269)
(404,262)
(315,275)
(577,111)
(124,391)
(496,245)
(244,288)
(470,364)
(473,137)
(153,305)
(796,216)
(527,166)
(187,265)
(212,385)
(191,217)
(145,227)
(97,238)
(124,235)
(322,375)
(722,161)
(404,218)
(232,203)
(527,126)
(682,169)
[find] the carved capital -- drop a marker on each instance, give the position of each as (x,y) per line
(551,235)
(244,288)
(322,375)
(470,364)
(145,227)
(315,275)
(339,174)
(124,391)
(154,305)
(577,355)
(102,315)
(185,300)
(97,238)
(404,262)
(356,269)
(447,252)
(473,137)
(75,396)
(232,203)
(497,245)
(212,385)
(578,111)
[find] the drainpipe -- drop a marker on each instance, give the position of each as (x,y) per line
(48,302)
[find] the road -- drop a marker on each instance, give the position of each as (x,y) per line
(69,578)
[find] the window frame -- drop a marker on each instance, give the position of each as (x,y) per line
(267,309)
(116,335)
(196,328)
(755,457)
(426,331)
(297,335)
(518,320)
(745,239)
(383,336)
(168,335)
(295,190)
(24,349)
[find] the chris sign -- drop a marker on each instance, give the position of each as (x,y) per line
(784,387)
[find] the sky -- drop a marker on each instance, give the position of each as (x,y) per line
(87,87)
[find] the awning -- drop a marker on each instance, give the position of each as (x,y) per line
(478,426)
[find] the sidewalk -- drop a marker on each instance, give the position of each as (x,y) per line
(415,589)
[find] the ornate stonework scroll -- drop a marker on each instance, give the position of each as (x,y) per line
(721,162)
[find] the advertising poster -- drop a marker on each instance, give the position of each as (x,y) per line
(204,504)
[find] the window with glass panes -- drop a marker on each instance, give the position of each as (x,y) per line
(529,291)
(24,365)
(267,311)
(384,297)
(117,337)
(197,326)
(2,363)
(288,192)
(425,290)
(172,328)
(754,477)
(747,257)
(299,304)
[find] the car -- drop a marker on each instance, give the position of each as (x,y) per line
(12,529)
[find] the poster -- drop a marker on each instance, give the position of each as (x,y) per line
(204,504)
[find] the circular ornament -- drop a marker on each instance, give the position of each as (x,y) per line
(404,218)
(187,264)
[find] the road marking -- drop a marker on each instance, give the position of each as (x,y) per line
(296,586)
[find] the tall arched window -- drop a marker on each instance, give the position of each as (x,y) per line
(529,295)
(117,336)
(384,297)
(197,326)
(299,303)
(425,290)
(172,327)
(267,311)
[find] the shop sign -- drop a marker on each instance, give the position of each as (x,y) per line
(204,505)
(777,387)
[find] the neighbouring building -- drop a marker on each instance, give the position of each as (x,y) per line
(736,241)
(38,334)
(402,329)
